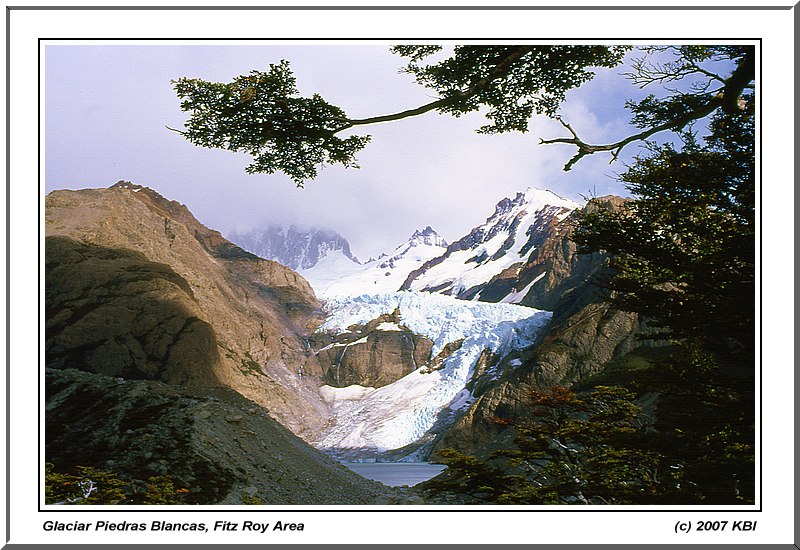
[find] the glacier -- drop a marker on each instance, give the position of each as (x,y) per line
(370,421)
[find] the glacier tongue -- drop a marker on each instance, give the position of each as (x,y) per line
(373,421)
(441,318)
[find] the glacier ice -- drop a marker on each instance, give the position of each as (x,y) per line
(401,413)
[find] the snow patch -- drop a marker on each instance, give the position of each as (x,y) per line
(514,297)
(389,327)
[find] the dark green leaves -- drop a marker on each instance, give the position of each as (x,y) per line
(514,82)
(262,115)
(574,449)
(685,248)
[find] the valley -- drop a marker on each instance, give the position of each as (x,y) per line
(313,274)
(349,363)
(428,349)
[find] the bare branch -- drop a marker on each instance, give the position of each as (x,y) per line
(727,98)
(88,487)
(645,73)
(181,132)
(615,148)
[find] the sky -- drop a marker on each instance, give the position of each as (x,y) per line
(107,108)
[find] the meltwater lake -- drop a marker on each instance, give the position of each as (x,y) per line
(396,474)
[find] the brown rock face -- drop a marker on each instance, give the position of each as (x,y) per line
(118,314)
(137,287)
(371,355)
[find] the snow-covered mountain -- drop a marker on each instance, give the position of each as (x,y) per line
(399,420)
(336,275)
(498,247)
(295,247)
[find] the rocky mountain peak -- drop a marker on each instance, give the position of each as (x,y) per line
(498,246)
(293,246)
(138,288)
(428,237)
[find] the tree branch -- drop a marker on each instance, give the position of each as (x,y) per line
(616,147)
(350,122)
(496,72)
(727,99)
(181,132)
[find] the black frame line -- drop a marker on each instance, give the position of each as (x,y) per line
(321,8)
(208,508)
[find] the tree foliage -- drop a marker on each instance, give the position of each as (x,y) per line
(573,449)
(263,115)
(513,82)
(704,430)
(90,485)
(598,447)
(684,249)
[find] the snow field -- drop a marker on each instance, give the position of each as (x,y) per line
(337,275)
(461,274)
(441,318)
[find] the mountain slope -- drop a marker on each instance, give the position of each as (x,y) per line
(585,334)
(293,247)
(214,445)
(137,287)
(497,248)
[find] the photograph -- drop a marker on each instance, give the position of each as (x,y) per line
(310,289)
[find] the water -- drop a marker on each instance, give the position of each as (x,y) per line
(396,474)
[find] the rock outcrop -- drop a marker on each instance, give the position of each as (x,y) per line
(372,355)
(585,333)
(138,288)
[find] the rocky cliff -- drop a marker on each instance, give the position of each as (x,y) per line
(375,354)
(584,335)
(136,287)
